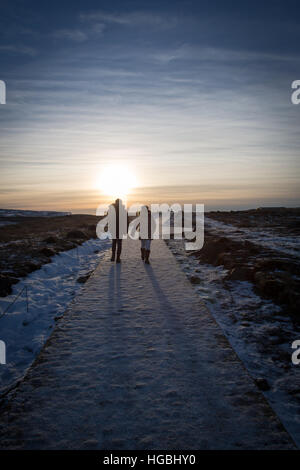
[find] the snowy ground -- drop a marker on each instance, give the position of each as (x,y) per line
(284,244)
(138,362)
(50,289)
(260,335)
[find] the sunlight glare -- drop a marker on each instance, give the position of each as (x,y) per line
(116,181)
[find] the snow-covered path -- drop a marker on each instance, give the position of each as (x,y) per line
(137,362)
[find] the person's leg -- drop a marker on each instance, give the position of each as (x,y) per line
(147,251)
(119,250)
(113,250)
(143,249)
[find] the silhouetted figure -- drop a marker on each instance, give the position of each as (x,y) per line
(146,238)
(117,240)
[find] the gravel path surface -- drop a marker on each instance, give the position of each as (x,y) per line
(137,362)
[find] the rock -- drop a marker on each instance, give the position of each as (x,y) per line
(262,384)
(83,279)
(240,273)
(259,277)
(50,239)
(294,303)
(66,245)
(195,280)
(5,285)
(226,260)
(22,270)
(74,234)
(92,227)
(271,264)
(294,388)
(276,340)
(271,287)
(30,267)
(47,252)
(211,249)
(250,247)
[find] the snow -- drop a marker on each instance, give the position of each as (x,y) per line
(285,244)
(50,289)
(256,329)
(138,362)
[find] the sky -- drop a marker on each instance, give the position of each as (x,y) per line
(193,98)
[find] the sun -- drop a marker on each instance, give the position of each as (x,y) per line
(116,181)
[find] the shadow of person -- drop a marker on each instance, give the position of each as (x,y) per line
(115,287)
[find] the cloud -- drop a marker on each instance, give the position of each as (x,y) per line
(216,55)
(75,35)
(134,18)
(98,28)
(79,35)
(202,107)
(19,49)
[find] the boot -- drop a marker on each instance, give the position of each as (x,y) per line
(112,257)
(147,254)
(118,260)
(143,253)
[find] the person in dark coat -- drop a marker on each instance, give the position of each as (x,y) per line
(117,240)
